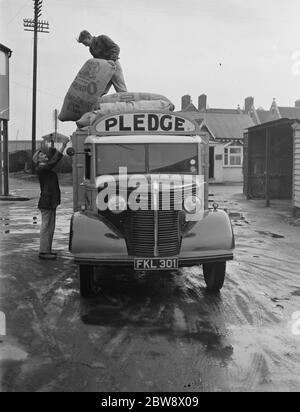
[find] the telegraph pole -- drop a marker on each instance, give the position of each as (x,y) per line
(5,54)
(37,26)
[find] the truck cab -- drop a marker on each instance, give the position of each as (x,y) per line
(141,198)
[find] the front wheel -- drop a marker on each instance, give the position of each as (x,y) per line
(214,275)
(87,281)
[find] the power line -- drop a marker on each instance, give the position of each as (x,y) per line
(18,12)
(36,26)
(39,90)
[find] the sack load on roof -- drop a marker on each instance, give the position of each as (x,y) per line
(120,107)
(132,97)
(89,84)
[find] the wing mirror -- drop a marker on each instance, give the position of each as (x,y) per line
(71,151)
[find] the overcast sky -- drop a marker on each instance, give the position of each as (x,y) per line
(228,49)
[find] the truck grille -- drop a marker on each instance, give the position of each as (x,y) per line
(152,233)
(168,233)
(141,233)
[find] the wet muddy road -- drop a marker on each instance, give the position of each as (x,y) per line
(151,332)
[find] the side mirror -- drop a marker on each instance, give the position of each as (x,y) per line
(71,151)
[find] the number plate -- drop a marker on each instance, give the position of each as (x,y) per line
(155,264)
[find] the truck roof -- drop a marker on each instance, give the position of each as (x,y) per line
(155,138)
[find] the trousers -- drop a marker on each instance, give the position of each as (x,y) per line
(117,79)
(47,229)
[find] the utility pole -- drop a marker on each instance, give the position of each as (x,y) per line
(5,54)
(37,26)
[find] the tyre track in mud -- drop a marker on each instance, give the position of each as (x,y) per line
(187,329)
(269,273)
(241,373)
(153,332)
(28,329)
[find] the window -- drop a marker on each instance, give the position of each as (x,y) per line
(173,158)
(233,156)
(147,158)
(87,164)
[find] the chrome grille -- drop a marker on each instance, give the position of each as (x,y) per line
(141,233)
(168,233)
(144,239)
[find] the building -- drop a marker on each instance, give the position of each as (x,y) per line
(22,145)
(226,129)
(281,112)
(19,154)
(260,116)
(20,151)
(53,140)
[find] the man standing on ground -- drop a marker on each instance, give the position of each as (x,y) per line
(102,47)
(49,198)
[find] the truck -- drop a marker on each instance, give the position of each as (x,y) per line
(140,181)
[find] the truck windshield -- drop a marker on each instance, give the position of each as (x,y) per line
(147,158)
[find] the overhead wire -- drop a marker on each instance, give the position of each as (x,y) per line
(39,90)
(16,14)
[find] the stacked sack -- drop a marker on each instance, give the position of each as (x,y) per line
(90,83)
(132,97)
(126,102)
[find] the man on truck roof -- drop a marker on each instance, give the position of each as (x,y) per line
(103,47)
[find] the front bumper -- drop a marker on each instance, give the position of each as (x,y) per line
(129,261)
(93,242)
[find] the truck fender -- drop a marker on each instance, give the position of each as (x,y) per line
(90,234)
(213,232)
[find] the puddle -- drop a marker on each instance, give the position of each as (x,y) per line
(12,353)
(236,215)
(14,199)
(275,299)
(21,224)
(273,235)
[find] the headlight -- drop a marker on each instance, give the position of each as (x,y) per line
(192,204)
(117,204)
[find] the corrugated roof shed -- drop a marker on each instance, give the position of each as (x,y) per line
(296,182)
(5,49)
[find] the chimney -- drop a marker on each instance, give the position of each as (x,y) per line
(185,101)
(249,103)
(202,102)
(297,103)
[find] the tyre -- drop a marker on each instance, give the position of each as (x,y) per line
(87,282)
(214,275)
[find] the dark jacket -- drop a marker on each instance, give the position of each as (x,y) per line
(50,192)
(103,47)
